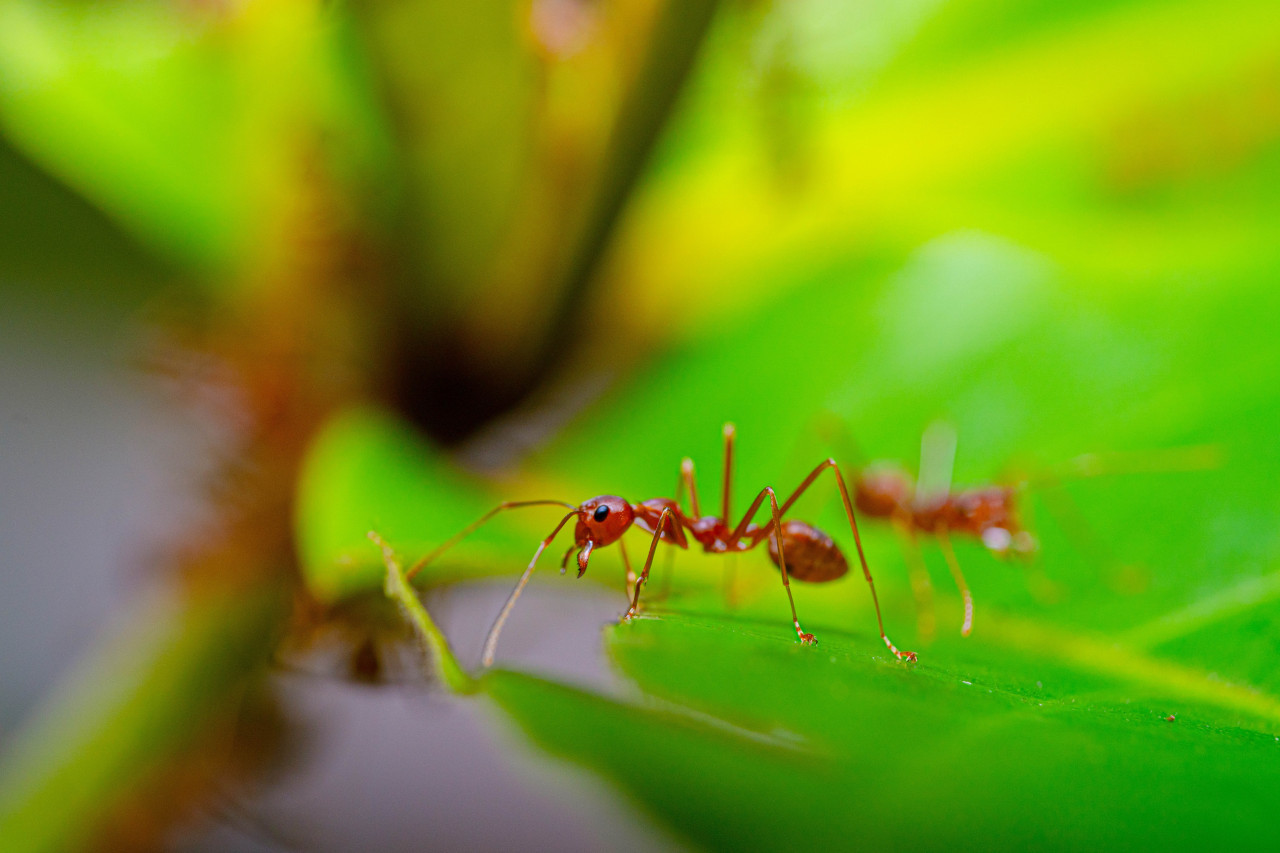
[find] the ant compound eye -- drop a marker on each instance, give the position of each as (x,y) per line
(601,513)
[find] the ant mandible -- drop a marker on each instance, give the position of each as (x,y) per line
(799,550)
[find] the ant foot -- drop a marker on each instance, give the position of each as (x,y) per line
(808,639)
(909,657)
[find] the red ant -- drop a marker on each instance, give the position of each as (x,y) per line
(798,549)
(989,514)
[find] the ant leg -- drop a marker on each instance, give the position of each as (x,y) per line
(729,433)
(731,561)
(687,481)
(741,530)
(644,575)
(1048,484)
(471,528)
(1026,550)
(1066,512)
(491,641)
(944,540)
(630,578)
(771,528)
(921,585)
(806,639)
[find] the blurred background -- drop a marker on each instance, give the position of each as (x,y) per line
(276,272)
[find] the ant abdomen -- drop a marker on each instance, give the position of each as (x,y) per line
(812,556)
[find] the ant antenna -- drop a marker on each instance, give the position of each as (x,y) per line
(491,641)
(471,528)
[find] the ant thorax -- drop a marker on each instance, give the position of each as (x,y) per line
(713,534)
(647,517)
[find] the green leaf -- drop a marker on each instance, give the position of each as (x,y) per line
(179,666)
(762,743)
(747,738)
(1048,727)
(1129,136)
(185,127)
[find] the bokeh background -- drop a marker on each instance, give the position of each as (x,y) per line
(277,272)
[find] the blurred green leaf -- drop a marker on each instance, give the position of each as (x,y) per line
(461,85)
(154,691)
(1122,135)
(191,127)
(368,470)
(1053,226)
(50,236)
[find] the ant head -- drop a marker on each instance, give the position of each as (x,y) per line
(601,521)
(881,491)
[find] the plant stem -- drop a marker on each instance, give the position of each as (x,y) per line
(398,590)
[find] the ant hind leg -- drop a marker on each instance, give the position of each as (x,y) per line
(944,541)
(921,586)
(900,654)
(805,638)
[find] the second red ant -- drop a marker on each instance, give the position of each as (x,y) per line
(799,550)
(931,507)
(989,514)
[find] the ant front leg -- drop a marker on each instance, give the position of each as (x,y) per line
(921,585)
(644,575)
